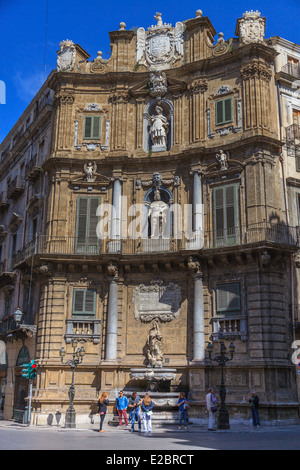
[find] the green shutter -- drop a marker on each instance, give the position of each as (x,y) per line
(92,127)
(84,302)
(223,111)
(86,225)
(228,110)
(219,112)
(228,298)
(225,214)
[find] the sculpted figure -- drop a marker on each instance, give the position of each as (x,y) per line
(159,216)
(154,346)
(159,129)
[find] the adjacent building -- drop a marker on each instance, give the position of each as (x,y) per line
(153,209)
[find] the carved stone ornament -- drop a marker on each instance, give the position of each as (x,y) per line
(112,269)
(159,85)
(99,65)
(90,170)
(221,46)
(66,56)
(193,265)
(161,46)
(251,27)
(222,159)
(156,301)
(154,346)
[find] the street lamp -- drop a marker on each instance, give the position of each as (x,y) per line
(18,314)
(221,359)
(78,355)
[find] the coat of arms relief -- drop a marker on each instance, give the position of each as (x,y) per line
(160,46)
(66,56)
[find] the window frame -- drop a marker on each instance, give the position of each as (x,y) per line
(224,121)
(92,136)
(84,314)
(226,312)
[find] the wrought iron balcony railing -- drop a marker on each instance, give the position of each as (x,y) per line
(291,69)
(259,233)
(293,134)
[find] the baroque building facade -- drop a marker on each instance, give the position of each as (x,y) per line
(151,218)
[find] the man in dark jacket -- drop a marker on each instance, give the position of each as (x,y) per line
(254,404)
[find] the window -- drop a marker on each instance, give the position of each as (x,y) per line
(84,302)
(225,213)
(92,127)
(7,304)
(228,298)
(223,111)
(86,224)
(28,308)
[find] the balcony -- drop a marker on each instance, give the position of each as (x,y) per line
(32,169)
(293,134)
(291,69)
(232,326)
(83,330)
(7,276)
(4,202)
(15,188)
(261,234)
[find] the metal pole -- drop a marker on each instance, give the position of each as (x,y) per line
(29,403)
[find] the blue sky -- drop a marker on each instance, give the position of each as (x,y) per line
(30,34)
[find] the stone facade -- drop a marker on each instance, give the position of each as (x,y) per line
(171,120)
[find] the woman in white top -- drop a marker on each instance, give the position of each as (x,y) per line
(210,403)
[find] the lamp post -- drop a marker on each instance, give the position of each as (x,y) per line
(78,354)
(221,359)
(18,314)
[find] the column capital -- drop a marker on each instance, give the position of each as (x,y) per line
(194,266)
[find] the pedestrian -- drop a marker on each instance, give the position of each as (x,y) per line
(183,409)
(102,408)
(147,405)
(211,406)
(254,404)
(122,404)
(134,405)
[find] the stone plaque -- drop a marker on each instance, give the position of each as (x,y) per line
(156,301)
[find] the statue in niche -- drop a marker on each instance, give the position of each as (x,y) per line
(222,159)
(159,216)
(90,170)
(154,346)
(159,130)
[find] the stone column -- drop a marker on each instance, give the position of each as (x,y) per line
(197,110)
(199,335)
(198,313)
(112,314)
(115,236)
(197,202)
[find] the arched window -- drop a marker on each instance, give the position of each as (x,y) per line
(23,356)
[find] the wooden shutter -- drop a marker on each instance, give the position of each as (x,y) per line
(87,127)
(223,111)
(87,220)
(219,112)
(229,298)
(84,302)
(92,127)
(228,110)
(225,213)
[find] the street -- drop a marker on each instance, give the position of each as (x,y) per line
(168,439)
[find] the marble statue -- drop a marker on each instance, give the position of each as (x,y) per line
(159,130)
(90,170)
(159,216)
(222,159)
(154,346)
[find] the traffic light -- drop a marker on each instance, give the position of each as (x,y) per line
(29,370)
(33,368)
(26,371)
